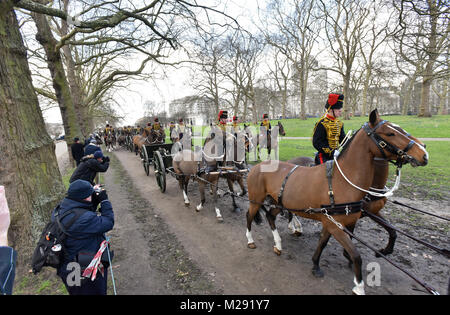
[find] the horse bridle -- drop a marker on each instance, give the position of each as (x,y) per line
(382,144)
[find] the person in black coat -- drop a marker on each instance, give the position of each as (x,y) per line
(84,238)
(89,167)
(77,150)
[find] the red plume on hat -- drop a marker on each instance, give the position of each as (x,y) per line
(156,119)
(265,116)
(335,101)
(222,114)
(235,118)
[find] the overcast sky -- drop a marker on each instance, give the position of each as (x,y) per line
(163,90)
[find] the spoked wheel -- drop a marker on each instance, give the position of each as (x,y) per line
(145,161)
(160,170)
(131,145)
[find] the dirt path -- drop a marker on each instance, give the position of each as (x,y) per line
(163,247)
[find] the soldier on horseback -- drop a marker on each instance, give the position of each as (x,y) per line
(235,126)
(158,131)
(329,130)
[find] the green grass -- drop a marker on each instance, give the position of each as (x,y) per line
(434,127)
(437,126)
(430,181)
(66,177)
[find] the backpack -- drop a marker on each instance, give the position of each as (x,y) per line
(49,250)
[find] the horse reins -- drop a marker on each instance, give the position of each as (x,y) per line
(382,144)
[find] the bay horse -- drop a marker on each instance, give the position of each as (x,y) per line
(263,141)
(158,136)
(203,164)
(237,145)
(308,189)
(110,141)
(187,163)
(140,140)
(372,204)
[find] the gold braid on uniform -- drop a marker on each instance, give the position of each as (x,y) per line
(266,124)
(333,130)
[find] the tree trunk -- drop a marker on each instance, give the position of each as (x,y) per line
(28,167)
(62,90)
(346,88)
(365,89)
(424,107)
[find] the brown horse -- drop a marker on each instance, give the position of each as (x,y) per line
(158,136)
(237,145)
(110,141)
(373,204)
(140,140)
(307,190)
(187,163)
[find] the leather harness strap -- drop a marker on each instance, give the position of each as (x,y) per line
(329,173)
(280,194)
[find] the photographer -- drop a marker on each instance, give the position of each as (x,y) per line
(90,166)
(85,236)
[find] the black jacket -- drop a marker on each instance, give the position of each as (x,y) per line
(88,169)
(328,133)
(77,151)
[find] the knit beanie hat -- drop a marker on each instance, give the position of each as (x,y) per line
(80,189)
(98,154)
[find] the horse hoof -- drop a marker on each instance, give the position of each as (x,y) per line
(219,219)
(237,210)
(297,233)
(251,245)
(276,251)
(187,204)
(317,272)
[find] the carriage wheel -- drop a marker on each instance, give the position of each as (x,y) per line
(130,145)
(145,160)
(160,170)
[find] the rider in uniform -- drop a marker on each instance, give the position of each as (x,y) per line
(148,128)
(181,128)
(159,130)
(265,125)
(107,131)
(235,126)
(329,130)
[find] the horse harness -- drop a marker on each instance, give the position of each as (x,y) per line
(352,207)
(385,145)
(332,208)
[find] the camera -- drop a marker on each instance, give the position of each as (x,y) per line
(98,188)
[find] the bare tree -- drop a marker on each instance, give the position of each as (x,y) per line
(423,36)
(294,37)
(345,22)
(377,35)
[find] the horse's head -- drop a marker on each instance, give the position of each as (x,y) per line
(393,143)
(281,129)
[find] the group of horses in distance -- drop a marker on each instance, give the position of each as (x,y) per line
(298,187)
(148,138)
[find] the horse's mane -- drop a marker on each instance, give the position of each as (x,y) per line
(344,149)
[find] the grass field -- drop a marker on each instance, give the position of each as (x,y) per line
(434,127)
